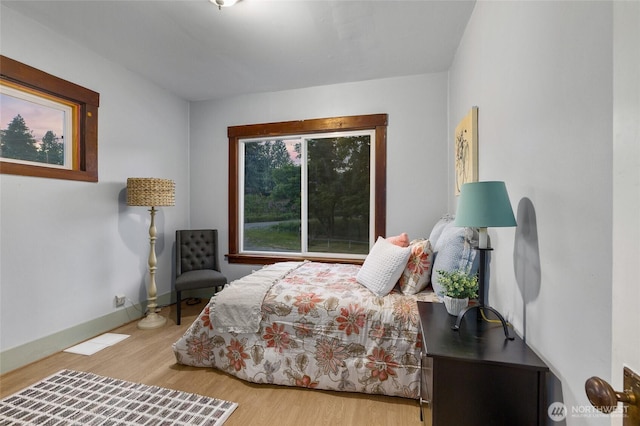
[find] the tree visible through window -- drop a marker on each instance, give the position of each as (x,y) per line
(48,126)
(307,195)
(19,144)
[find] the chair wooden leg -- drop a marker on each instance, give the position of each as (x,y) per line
(178,307)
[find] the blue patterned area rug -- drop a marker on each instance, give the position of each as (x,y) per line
(77,398)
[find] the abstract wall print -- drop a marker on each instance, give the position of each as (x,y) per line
(466,149)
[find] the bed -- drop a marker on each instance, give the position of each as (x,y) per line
(330,326)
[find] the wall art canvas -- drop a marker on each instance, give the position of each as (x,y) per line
(466,149)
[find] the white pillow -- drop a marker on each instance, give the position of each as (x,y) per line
(383,266)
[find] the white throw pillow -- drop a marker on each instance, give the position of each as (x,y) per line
(383,266)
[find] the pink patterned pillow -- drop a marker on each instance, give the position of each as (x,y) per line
(401,240)
(415,277)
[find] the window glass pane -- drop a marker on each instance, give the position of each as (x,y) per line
(272,204)
(308,195)
(35,129)
(338,194)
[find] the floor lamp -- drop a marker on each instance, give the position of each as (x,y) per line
(151,192)
(482,205)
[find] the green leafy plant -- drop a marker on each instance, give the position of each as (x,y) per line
(458,284)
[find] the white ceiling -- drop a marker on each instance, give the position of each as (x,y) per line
(199,52)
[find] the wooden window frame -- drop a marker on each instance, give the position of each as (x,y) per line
(378,122)
(86,101)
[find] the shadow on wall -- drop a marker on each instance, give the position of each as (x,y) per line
(526,257)
(526,264)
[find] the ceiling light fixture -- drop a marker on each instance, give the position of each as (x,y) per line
(223,3)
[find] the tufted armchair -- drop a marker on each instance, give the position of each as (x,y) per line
(197,262)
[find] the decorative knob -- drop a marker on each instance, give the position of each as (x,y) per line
(604,398)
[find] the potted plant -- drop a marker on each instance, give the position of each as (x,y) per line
(458,287)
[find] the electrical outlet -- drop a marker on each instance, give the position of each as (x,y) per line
(120,300)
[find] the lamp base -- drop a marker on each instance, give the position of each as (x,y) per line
(482,293)
(152,320)
(456,327)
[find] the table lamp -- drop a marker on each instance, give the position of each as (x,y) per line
(483,205)
(151,192)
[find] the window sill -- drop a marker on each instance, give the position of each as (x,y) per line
(251,259)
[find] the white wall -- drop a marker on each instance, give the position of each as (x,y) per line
(68,247)
(416,146)
(626,190)
(541,75)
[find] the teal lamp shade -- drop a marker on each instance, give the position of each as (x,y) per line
(484,205)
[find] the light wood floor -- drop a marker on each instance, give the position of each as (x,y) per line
(146,357)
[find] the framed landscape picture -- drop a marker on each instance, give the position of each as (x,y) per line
(466,149)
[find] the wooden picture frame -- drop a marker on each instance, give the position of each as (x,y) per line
(82,107)
(466,149)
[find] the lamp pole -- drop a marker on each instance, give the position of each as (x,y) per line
(152,320)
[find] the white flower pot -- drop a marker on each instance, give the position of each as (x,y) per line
(454,306)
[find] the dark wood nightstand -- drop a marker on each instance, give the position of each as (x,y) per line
(480,377)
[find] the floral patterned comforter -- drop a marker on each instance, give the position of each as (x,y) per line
(320,329)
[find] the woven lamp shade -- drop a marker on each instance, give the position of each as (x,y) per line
(151,192)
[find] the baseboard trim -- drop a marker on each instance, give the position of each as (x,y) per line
(36,350)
